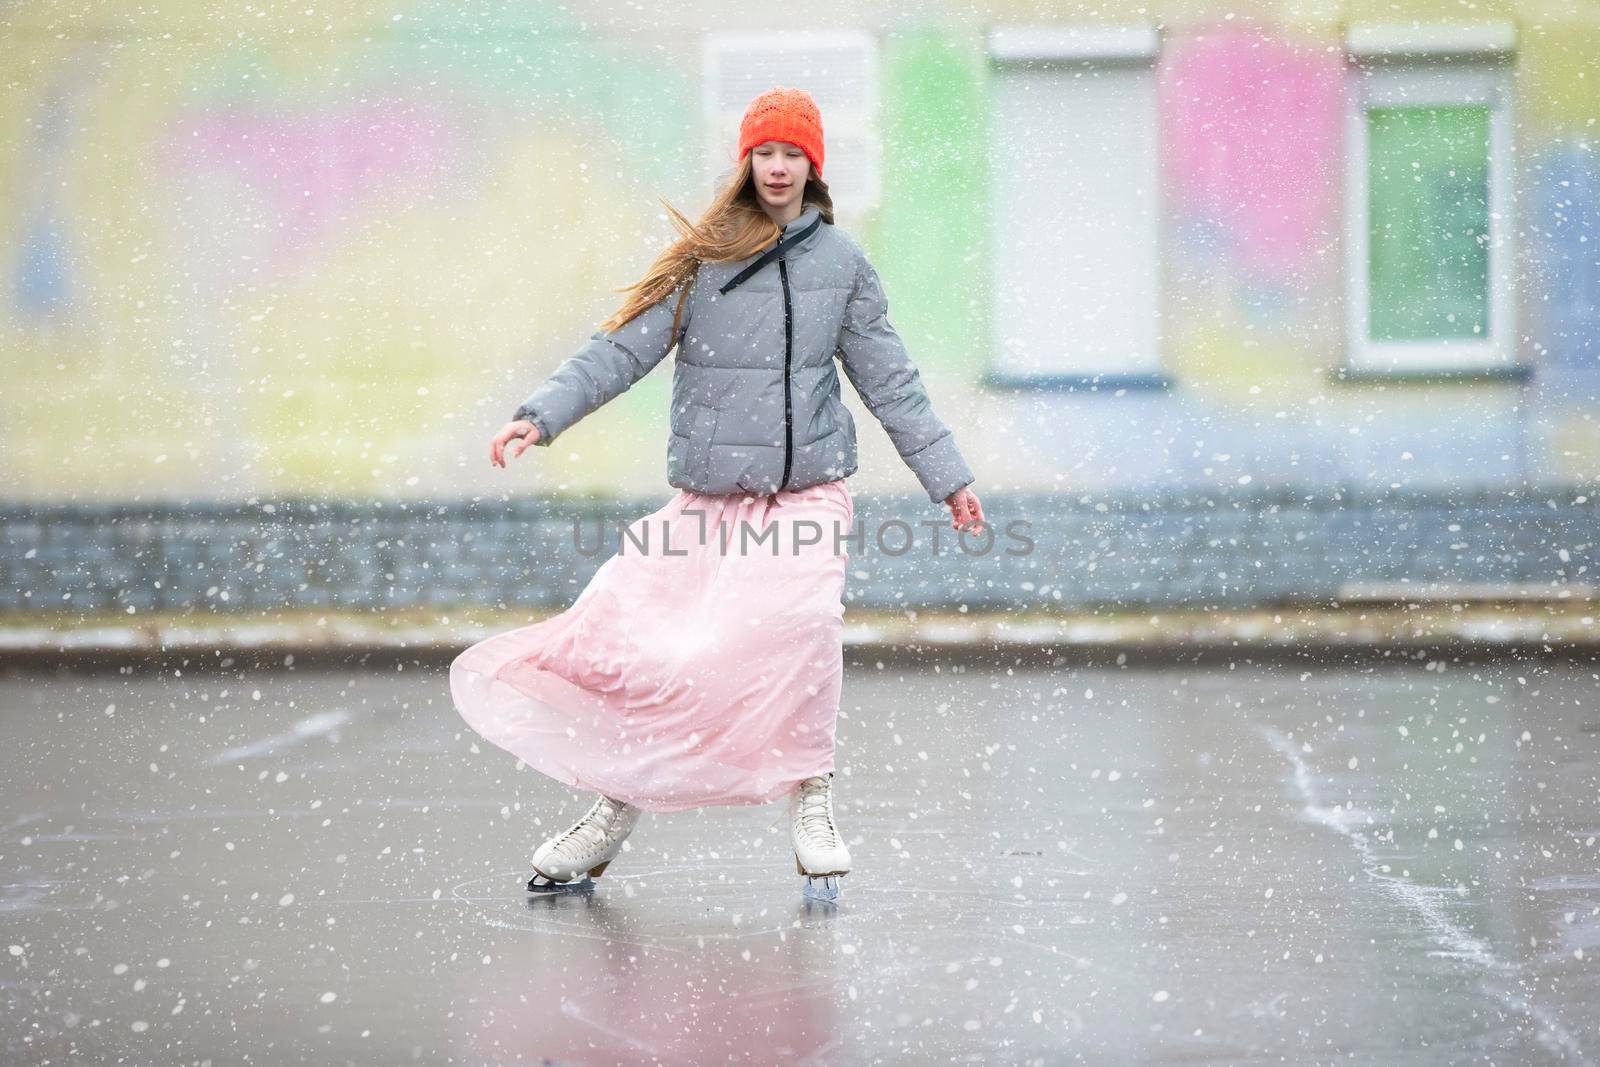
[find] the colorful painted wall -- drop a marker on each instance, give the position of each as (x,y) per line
(278,251)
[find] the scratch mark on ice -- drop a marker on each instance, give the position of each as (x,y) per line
(1424,900)
(324,722)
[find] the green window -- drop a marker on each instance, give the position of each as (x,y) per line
(1428,218)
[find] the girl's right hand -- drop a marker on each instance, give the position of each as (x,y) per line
(523,431)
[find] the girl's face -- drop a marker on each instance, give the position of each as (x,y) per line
(780,170)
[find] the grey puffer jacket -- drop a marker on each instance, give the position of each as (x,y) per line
(755,392)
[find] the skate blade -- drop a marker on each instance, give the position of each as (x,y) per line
(819,885)
(823,887)
(543,883)
(540,884)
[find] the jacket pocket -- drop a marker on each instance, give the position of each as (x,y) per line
(828,418)
(701,429)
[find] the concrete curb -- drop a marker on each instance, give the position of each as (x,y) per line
(1387,631)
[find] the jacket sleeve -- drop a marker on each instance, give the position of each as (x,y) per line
(603,369)
(876,361)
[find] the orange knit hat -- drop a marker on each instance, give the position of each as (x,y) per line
(783,114)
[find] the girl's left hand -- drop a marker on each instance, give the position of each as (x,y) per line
(965,511)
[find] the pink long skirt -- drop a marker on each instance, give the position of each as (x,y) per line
(704,668)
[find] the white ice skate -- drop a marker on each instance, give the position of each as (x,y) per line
(819,852)
(579,854)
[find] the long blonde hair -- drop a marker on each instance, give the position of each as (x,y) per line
(734,227)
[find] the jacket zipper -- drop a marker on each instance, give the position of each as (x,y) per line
(788,348)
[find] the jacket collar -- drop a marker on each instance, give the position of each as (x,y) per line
(800,222)
(797,236)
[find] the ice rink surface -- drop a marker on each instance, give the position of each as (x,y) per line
(1227,864)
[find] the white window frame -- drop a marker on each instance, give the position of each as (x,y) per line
(1421,64)
(1086,46)
(737,66)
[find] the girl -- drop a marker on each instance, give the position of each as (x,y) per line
(695,669)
